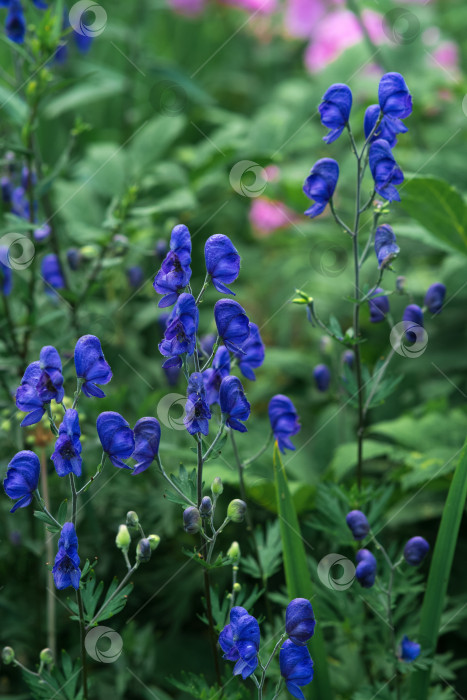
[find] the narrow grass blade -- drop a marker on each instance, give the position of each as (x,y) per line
(440,570)
(297,575)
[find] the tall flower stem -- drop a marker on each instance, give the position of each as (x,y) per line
(79,598)
(122,583)
(50,596)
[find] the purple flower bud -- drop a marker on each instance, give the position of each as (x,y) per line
(365,573)
(232,324)
(234,404)
(413,323)
(386,248)
(386,173)
(335,110)
(379,306)
(409,650)
(222,262)
(74,258)
(320,185)
(284,421)
(135,276)
(322,377)
(416,550)
(205,508)
(394,97)
(348,358)
(22,478)
(300,621)
(358,524)
(191,520)
(434,298)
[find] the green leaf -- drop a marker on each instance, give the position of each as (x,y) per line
(187,483)
(51,526)
(297,574)
(440,568)
(62,511)
(440,208)
(12,105)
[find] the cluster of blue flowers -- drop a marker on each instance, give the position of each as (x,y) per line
(41,384)
(240,640)
(415,551)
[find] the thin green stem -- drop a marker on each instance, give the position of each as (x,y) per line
(74,499)
(339,220)
(215,441)
(44,509)
(123,583)
(99,469)
(82,629)
(208,362)
(169,480)
(256,456)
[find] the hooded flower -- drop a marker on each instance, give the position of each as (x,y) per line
(180,333)
(320,185)
(386,248)
(222,262)
(379,306)
(409,651)
(232,324)
(416,550)
(413,323)
(27,398)
(67,453)
(66,571)
(296,667)
(91,365)
(116,437)
(50,383)
(254,353)
(6,273)
(394,97)
(387,129)
(175,272)
(240,641)
(197,413)
(15,23)
(335,110)
(213,376)
(322,377)
(234,404)
(434,298)
(365,572)
(22,478)
(386,173)
(147,433)
(358,524)
(52,274)
(284,421)
(300,621)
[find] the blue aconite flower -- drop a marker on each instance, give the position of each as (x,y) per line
(147,433)
(335,110)
(296,667)
(434,298)
(180,333)
(358,524)
(52,273)
(394,97)
(232,324)
(197,413)
(284,421)
(50,383)
(416,550)
(413,323)
(254,353)
(222,262)
(175,272)
(365,573)
(66,571)
(300,621)
(6,273)
(240,641)
(379,306)
(386,248)
(349,358)
(22,478)
(320,185)
(135,276)
(15,23)
(67,453)
(91,365)
(213,376)
(234,404)
(386,173)
(322,377)
(387,129)
(192,520)
(27,398)
(116,437)
(409,650)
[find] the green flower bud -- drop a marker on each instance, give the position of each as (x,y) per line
(237,588)
(8,655)
(154,541)
(46,656)
(236,510)
(217,486)
(143,550)
(234,551)
(123,538)
(132,519)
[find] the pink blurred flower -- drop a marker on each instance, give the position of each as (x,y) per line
(268,215)
(447,56)
(264,7)
(337,31)
(187,7)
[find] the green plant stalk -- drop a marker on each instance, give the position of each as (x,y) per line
(297,575)
(440,569)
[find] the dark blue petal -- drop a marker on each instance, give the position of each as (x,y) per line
(386,248)
(386,173)
(335,110)
(232,324)
(394,97)
(284,421)
(254,353)
(320,184)
(322,377)
(300,621)
(233,402)
(222,262)
(434,298)
(379,306)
